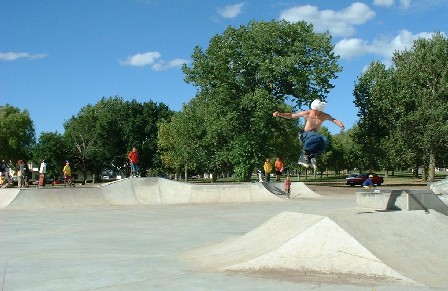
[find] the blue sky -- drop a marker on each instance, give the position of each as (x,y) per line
(57,56)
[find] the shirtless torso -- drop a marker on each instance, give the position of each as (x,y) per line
(313,118)
(314,144)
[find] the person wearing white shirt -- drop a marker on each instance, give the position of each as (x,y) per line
(42,171)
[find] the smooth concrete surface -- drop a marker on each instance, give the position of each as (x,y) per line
(323,242)
(440,187)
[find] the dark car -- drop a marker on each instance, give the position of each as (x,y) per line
(360,178)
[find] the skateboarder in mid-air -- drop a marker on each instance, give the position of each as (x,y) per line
(314,144)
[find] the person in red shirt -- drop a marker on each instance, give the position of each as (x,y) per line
(133,158)
(278,168)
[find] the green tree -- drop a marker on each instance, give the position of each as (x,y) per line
(17,134)
(81,132)
(404,108)
(422,91)
(247,73)
(181,141)
(102,135)
(141,131)
(372,133)
(52,147)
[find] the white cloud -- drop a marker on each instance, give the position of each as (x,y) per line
(231,11)
(11,56)
(387,3)
(161,66)
(405,3)
(385,47)
(348,48)
(152,59)
(339,23)
(141,60)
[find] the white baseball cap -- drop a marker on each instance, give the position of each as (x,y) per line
(318,105)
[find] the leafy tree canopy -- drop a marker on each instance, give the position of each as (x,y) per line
(16,133)
(244,75)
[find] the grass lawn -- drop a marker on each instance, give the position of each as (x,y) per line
(397,179)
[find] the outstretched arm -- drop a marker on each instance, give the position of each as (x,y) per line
(337,122)
(289,115)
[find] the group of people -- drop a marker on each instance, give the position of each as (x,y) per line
(268,168)
(279,169)
(67,171)
(24,174)
(314,145)
(5,176)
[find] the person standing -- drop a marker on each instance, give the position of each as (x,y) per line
(20,174)
(314,144)
(267,170)
(278,168)
(68,175)
(287,186)
(42,171)
(3,168)
(133,159)
(28,174)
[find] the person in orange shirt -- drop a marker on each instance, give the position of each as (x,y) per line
(133,158)
(278,168)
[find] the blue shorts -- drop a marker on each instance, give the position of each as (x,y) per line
(313,142)
(134,167)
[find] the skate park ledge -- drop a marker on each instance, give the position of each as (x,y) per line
(390,200)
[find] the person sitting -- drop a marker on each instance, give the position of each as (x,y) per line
(368,183)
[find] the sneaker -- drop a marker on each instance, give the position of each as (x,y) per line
(314,163)
(304,161)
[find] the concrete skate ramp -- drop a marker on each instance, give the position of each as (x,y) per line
(33,198)
(133,192)
(298,190)
(376,246)
(157,191)
(7,195)
(401,200)
(440,187)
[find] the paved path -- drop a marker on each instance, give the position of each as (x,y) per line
(149,247)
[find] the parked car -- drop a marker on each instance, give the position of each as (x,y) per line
(360,178)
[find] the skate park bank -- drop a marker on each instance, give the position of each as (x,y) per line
(150,233)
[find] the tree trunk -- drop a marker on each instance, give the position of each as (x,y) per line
(186,173)
(424,173)
(248,175)
(432,168)
(415,172)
